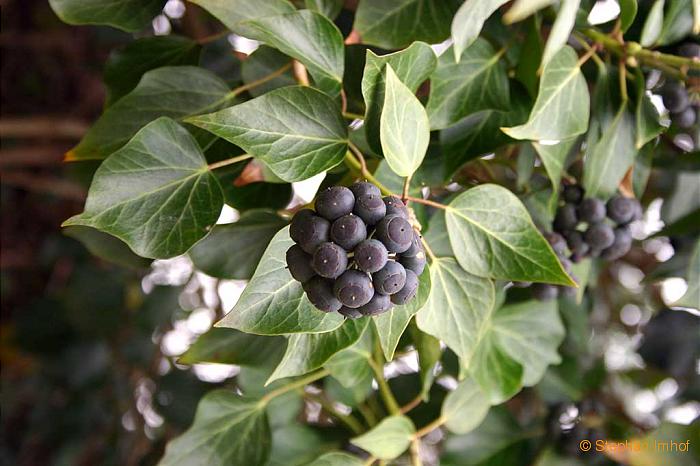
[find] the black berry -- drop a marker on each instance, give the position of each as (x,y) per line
(320,292)
(390,279)
(544,292)
(353,288)
(684,119)
(329,260)
(591,210)
(415,263)
(299,264)
(620,246)
(370,208)
(379,304)
(621,209)
(350,313)
(362,188)
(557,242)
(395,206)
(371,255)
(599,236)
(416,246)
(573,194)
(395,232)
(309,230)
(409,290)
(348,231)
(334,202)
(689,50)
(566,218)
(675,97)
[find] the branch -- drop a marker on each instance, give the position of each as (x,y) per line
(348,420)
(231,161)
(429,428)
(384,389)
(302,382)
(420,200)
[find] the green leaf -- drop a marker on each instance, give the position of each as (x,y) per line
(678,22)
(429,353)
(156,193)
(106,247)
(437,237)
(388,439)
(467,23)
(405,130)
(412,65)
(562,107)
(309,37)
(228,346)
(233,12)
(465,407)
(308,351)
(227,429)
(610,157)
(336,458)
(127,65)
(297,131)
(498,374)
(477,82)
(561,30)
(459,306)
(128,15)
(263,62)
(234,250)
(653,24)
(691,298)
(394,24)
(628,11)
(274,303)
(492,235)
(521,9)
(174,92)
(647,119)
(391,325)
(526,71)
(553,158)
(480,133)
(328,8)
(257,195)
(295,445)
(350,366)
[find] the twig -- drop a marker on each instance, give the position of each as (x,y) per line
(360,158)
(302,382)
(415,453)
(232,160)
(348,420)
(412,404)
(406,186)
(429,428)
(384,389)
(420,200)
(353,116)
(622,77)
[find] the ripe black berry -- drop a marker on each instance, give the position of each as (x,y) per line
(348,231)
(350,313)
(299,264)
(416,246)
(409,290)
(362,188)
(395,206)
(377,305)
(675,97)
(415,263)
(395,232)
(370,208)
(390,279)
(689,50)
(621,209)
(573,194)
(599,236)
(320,292)
(544,292)
(557,242)
(334,202)
(566,218)
(684,119)
(578,247)
(591,210)
(353,288)
(620,246)
(309,230)
(329,260)
(371,255)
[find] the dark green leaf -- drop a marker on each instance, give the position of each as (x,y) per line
(234,250)
(233,12)
(530,58)
(628,11)
(429,353)
(465,407)
(496,372)
(647,119)
(561,30)
(437,237)
(309,37)
(260,194)
(156,193)
(492,235)
(274,303)
(653,24)
(127,65)
(106,246)
(467,23)
(678,22)
(306,352)
(477,82)
(295,445)
(227,429)
(554,157)
(691,298)
(297,131)
(350,366)
(388,439)
(173,92)
(263,62)
(394,24)
(228,346)
(328,8)
(337,458)
(521,9)
(128,15)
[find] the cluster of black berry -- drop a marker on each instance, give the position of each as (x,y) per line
(581,230)
(675,96)
(357,253)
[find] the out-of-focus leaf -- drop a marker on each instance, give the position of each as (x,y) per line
(233,12)
(328,8)
(465,407)
(228,346)
(628,11)
(678,22)
(691,298)
(106,246)
(467,23)
(128,15)
(561,30)
(653,24)
(263,62)
(388,439)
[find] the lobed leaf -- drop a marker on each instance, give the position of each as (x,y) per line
(467,23)
(388,439)
(233,12)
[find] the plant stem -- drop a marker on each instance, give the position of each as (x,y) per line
(415,453)
(354,162)
(429,428)
(622,76)
(298,383)
(253,84)
(406,186)
(367,414)
(370,461)
(232,160)
(412,404)
(388,397)
(347,419)
(353,116)
(420,200)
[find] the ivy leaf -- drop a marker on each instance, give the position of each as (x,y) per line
(234,250)
(467,23)
(521,9)
(437,237)
(127,65)
(691,298)
(412,66)
(106,247)
(227,429)
(156,193)
(233,12)
(459,306)
(308,351)
(309,37)
(297,131)
(553,158)
(228,346)
(328,8)
(388,439)
(257,195)
(274,303)
(394,24)
(647,121)
(678,22)
(465,407)
(127,15)
(492,235)
(174,92)
(350,366)
(405,130)
(562,107)
(263,62)
(498,375)
(391,325)
(429,353)
(477,82)
(337,458)
(653,24)
(561,30)
(610,157)
(628,11)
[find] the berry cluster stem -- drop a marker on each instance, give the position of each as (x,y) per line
(298,383)
(376,363)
